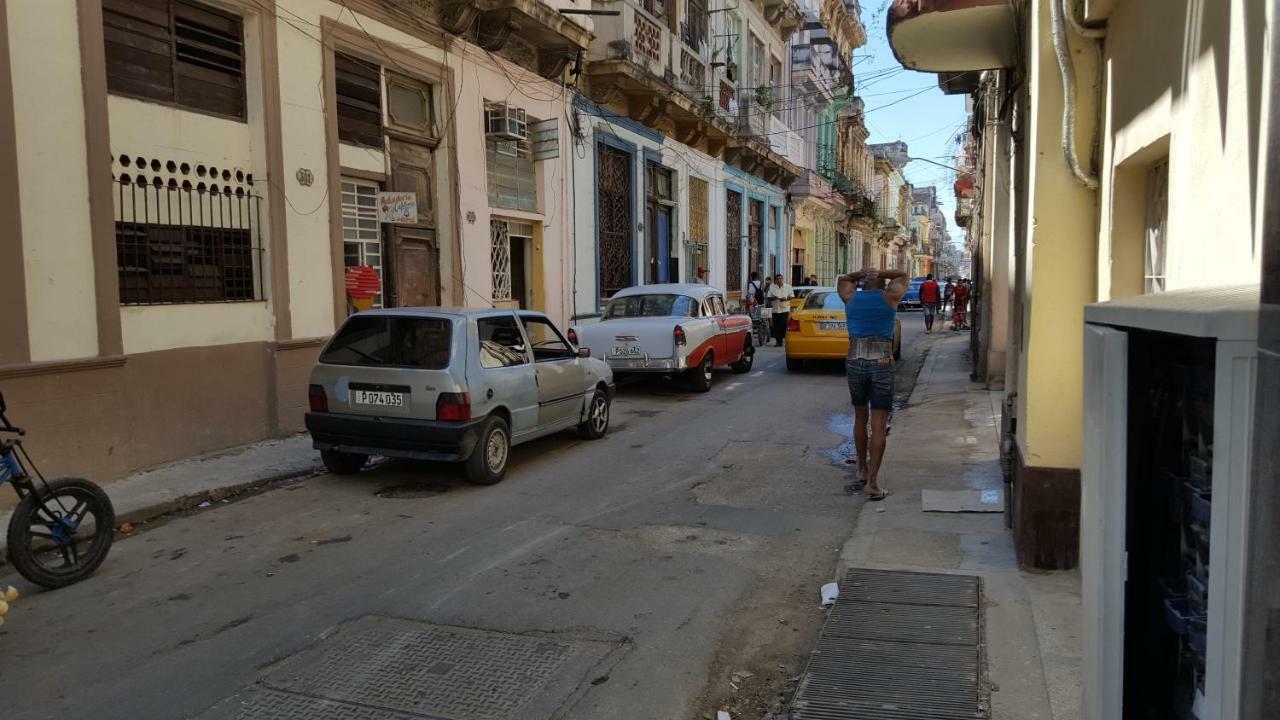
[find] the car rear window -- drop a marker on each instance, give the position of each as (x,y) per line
(656,305)
(389,341)
(823,300)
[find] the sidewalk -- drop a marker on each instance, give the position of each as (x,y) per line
(184,484)
(948,439)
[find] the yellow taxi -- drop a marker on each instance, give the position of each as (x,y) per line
(817,330)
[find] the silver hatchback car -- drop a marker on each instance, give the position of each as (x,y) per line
(451,384)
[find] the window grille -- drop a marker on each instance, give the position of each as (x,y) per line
(184,234)
(361,229)
(500,256)
(1157,227)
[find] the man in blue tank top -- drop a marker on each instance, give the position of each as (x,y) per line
(871,300)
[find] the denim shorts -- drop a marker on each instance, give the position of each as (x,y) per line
(930,309)
(870,383)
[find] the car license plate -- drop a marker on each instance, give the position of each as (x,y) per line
(834,325)
(378,398)
(625,351)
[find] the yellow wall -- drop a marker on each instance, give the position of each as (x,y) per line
(1184,81)
(1061,264)
(44,50)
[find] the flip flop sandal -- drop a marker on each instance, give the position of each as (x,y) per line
(876,498)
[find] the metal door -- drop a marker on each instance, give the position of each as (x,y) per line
(755,232)
(663,229)
(733,240)
(614,224)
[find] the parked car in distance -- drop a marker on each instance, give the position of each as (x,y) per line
(911,299)
(818,331)
(669,329)
(450,384)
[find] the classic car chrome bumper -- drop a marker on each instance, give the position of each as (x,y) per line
(648,364)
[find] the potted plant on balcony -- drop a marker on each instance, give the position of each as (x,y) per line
(764,96)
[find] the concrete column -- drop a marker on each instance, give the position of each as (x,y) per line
(996,186)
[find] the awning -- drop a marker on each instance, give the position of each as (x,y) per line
(953,35)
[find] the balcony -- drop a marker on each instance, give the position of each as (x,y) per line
(953,35)
(811,185)
(650,75)
(785,16)
(814,69)
(844,26)
(785,141)
(555,38)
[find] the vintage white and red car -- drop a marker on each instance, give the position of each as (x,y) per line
(670,328)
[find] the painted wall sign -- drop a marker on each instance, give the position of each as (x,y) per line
(398,207)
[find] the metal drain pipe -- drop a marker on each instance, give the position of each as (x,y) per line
(1067,70)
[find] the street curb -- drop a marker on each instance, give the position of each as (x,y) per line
(182,503)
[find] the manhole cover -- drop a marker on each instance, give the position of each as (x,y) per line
(411,491)
(897,646)
(378,667)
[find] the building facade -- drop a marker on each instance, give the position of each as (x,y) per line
(218,166)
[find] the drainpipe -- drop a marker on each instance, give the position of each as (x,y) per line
(1067,70)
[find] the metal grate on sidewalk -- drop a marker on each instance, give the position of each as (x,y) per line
(897,646)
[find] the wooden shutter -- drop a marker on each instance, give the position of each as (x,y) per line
(209,59)
(139,48)
(177,52)
(359,90)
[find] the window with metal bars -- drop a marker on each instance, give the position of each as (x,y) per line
(358,85)
(695,24)
(176,52)
(361,229)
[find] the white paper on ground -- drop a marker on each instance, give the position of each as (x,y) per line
(980,501)
(723,715)
(830,592)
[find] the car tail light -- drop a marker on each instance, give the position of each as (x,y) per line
(793,325)
(318,400)
(453,406)
(679,333)
(573,336)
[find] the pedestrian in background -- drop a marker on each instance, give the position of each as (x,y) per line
(947,291)
(871,300)
(813,280)
(960,305)
(754,294)
(779,296)
(930,294)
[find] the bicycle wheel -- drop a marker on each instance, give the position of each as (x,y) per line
(60,535)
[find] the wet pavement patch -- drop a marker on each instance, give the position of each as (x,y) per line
(897,646)
(411,491)
(389,668)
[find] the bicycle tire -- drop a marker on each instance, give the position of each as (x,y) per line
(25,558)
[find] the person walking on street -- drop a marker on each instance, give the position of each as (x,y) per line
(871,300)
(779,296)
(960,304)
(754,294)
(929,297)
(947,291)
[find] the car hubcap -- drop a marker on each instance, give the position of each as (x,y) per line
(495,453)
(706,369)
(599,414)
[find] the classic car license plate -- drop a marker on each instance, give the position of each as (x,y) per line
(625,351)
(378,398)
(834,325)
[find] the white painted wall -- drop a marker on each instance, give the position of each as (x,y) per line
(54,189)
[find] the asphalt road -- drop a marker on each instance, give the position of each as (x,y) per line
(676,564)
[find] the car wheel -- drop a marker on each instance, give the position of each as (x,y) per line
(341,463)
(794,364)
(700,377)
(597,422)
(488,461)
(747,360)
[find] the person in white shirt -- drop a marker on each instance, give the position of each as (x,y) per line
(780,304)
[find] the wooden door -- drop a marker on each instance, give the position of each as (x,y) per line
(415,252)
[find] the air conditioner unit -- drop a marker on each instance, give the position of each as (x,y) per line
(505,122)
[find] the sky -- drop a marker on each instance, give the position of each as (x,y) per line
(905,105)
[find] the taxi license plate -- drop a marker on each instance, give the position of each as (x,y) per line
(378,398)
(831,326)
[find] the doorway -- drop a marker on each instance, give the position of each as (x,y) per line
(414,250)
(659,209)
(755,237)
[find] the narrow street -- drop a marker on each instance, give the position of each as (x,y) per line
(682,555)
